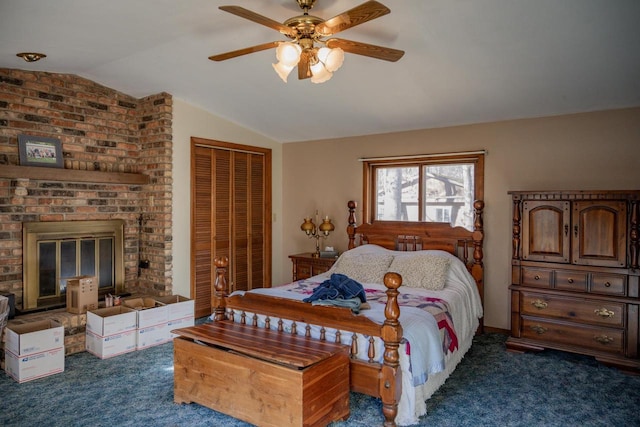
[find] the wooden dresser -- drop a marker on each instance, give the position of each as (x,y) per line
(575,275)
(305,265)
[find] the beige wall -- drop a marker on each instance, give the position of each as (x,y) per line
(191,121)
(598,150)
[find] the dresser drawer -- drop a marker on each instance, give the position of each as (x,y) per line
(537,277)
(609,284)
(596,338)
(594,312)
(571,281)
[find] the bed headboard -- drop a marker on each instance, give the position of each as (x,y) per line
(415,236)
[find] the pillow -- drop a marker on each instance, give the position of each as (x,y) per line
(363,267)
(421,270)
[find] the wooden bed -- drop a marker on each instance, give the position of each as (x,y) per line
(381,380)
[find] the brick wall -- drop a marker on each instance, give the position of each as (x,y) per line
(100,129)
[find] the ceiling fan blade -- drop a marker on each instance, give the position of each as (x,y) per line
(245,51)
(304,66)
(356,16)
(260,19)
(379,52)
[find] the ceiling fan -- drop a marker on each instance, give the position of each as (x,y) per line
(309,49)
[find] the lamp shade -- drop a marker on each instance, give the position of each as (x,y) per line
(331,58)
(308,226)
(319,73)
(288,53)
(282,70)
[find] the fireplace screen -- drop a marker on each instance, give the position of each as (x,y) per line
(60,260)
(56,251)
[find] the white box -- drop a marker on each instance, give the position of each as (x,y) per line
(179,306)
(111,320)
(185,322)
(153,335)
(149,312)
(112,345)
(33,366)
(34,337)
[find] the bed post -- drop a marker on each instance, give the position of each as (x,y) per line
(220,289)
(477,269)
(351,224)
(391,334)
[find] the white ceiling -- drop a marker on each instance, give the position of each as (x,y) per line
(466,61)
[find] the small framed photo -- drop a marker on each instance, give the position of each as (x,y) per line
(40,151)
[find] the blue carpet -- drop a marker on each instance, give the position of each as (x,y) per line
(491,387)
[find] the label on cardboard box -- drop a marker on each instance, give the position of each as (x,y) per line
(34,337)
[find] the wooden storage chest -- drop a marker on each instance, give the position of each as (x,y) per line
(267,378)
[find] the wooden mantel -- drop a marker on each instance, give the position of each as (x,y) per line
(71,175)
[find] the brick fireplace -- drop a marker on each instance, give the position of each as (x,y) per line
(117,154)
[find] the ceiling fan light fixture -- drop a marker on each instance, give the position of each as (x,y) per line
(319,73)
(331,58)
(283,70)
(288,53)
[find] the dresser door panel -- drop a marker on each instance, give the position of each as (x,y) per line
(545,231)
(599,233)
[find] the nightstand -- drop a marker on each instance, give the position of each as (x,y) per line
(305,265)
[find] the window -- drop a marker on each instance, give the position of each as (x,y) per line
(430,188)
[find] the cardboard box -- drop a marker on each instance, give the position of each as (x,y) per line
(179,306)
(113,345)
(148,311)
(82,294)
(34,350)
(185,322)
(34,337)
(33,366)
(111,320)
(153,335)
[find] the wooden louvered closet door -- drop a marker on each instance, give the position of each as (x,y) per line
(231,212)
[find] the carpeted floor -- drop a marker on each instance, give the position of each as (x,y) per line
(491,387)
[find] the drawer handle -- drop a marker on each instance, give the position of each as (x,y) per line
(537,277)
(570,280)
(539,304)
(603,312)
(538,329)
(607,284)
(603,339)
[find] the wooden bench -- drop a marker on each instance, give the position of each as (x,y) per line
(264,377)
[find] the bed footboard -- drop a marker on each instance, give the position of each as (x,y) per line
(381,380)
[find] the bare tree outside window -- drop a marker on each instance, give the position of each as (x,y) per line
(426,190)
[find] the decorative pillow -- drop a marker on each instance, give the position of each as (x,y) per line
(363,267)
(420,270)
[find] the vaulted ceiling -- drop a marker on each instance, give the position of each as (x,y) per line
(466,61)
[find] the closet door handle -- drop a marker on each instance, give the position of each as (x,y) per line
(575,230)
(566,229)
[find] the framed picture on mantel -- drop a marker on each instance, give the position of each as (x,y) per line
(40,151)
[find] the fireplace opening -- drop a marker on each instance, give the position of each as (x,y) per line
(54,252)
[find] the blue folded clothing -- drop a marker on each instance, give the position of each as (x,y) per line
(338,286)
